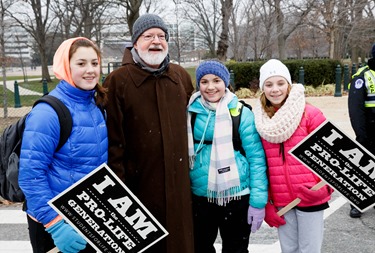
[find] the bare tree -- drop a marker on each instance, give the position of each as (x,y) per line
(132,8)
(156,6)
(180,36)
(81,18)
(22,61)
(205,16)
(252,30)
(328,15)
(64,12)
(360,35)
(300,43)
(37,25)
(239,32)
(296,15)
(88,20)
(4,24)
(226,11)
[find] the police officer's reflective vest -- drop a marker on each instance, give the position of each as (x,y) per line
(369,77)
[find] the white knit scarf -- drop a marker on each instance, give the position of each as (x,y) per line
(223,177)
(283,124)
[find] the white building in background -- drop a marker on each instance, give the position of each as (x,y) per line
(18,46)
(191,42)
(114,40)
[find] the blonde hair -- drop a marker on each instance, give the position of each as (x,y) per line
(267,106)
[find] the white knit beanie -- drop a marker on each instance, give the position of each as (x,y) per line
(271,68)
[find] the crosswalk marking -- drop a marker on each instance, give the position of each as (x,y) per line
(12,217)
(19,217)
(271,248)
(15,247)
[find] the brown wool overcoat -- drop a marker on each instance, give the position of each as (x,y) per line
(148,145)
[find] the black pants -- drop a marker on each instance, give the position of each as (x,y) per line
(231,220)
(41,240)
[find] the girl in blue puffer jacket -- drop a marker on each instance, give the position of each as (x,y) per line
(229,189)
(45,173)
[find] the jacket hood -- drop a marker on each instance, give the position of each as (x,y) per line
(61,63)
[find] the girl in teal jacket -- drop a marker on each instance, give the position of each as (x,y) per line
(229,189)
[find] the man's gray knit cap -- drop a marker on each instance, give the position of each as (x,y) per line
(145,22)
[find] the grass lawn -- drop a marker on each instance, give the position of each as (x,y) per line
(27,100)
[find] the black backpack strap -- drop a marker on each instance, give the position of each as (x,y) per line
(192,122)
(236,120)
(246,104)
(65,118)
(193,118)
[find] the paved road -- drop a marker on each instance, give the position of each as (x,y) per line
(342,233)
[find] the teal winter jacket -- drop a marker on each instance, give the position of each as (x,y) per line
(252,168)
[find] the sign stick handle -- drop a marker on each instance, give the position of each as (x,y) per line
(54,250)
(295,202)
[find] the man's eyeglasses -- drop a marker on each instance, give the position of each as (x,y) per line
(151,37)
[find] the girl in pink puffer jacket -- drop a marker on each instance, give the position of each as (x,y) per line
(283,119)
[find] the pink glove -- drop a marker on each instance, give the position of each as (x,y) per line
(309,196)
(272,219)
(255,217)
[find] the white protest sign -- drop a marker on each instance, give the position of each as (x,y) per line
(341,162)
(110,217)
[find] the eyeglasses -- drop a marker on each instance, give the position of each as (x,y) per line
(151,37)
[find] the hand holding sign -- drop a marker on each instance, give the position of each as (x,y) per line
(298,200)
(309,196)
(66,238)
(272,218)
(341,162)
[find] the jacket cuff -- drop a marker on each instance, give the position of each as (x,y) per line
(53,222)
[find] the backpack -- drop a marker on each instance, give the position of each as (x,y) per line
(235,113)
(10,148)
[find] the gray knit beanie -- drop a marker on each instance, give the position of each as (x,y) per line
(145,22)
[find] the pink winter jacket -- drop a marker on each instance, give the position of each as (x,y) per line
(285,176)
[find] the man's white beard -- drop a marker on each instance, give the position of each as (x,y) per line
(153,59)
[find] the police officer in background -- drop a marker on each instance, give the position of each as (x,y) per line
(361,103)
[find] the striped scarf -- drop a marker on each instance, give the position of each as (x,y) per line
(223,177)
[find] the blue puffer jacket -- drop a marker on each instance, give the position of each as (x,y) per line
(252,168)
(44,173)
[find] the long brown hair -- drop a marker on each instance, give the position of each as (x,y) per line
(101,92)
(267,106)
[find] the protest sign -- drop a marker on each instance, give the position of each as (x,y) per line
(110,217)
(341,162)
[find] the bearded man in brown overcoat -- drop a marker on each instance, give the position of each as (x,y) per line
(146,110)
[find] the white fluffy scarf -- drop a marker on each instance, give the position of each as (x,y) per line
(284,123)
